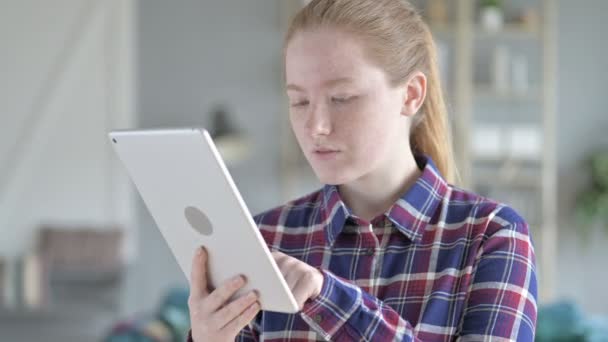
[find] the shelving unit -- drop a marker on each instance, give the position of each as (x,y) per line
(521,170)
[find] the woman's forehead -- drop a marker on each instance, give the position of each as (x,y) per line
(316,58)
(328,83)
(324,55)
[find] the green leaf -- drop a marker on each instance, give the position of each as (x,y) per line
(490,3)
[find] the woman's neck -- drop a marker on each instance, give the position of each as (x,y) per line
(375,192)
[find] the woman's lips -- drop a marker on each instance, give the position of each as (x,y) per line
(325,154)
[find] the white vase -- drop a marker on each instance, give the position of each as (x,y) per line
(491,18)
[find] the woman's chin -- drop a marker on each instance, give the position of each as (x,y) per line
(331,177)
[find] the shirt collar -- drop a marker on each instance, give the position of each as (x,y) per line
(410,214)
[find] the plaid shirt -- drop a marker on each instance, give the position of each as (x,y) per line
(441,264)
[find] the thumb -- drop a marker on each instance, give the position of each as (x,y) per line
(198,274)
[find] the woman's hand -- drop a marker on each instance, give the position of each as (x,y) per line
(212,316)
(304,281)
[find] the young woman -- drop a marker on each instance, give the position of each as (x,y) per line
(388,249)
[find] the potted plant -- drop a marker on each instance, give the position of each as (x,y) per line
(491,15)
(592,204)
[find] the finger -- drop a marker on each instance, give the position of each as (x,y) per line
(279,257)
(198,275)
(301,290)
(242,320)
(231,311)
(290,275)
(286,267)
(220,296)
(282,261)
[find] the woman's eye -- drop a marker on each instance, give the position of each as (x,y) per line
(299,104)
(342,99)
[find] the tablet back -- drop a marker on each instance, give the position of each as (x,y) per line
(194,201)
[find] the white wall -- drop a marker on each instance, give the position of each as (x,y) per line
(193,55)
(66,80)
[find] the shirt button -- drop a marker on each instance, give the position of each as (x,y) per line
(318,318)
(370,251)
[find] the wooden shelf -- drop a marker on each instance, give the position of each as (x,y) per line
(44,313)
(515,180)
(507,160)
(509,31)
(488,92)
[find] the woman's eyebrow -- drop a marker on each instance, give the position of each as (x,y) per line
(327,84)
(294,87)
(337,81)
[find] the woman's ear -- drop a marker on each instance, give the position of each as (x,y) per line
(414,94)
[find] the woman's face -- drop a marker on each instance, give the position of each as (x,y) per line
(344,113)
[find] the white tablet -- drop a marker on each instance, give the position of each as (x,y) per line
(186,186)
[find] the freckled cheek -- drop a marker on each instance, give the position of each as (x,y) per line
(359,131)
(369,135)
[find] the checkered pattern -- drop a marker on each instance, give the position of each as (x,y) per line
(441,264)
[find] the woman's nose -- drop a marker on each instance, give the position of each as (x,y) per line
(319,122)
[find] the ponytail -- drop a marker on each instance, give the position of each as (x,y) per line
(430,131)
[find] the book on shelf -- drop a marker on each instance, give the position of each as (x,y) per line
(65,260)
(81,253)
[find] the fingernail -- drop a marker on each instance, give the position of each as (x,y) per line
(238,280)
(199,251)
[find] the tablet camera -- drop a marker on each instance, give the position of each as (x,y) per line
(198,220)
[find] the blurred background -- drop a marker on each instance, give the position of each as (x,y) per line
(82,260)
